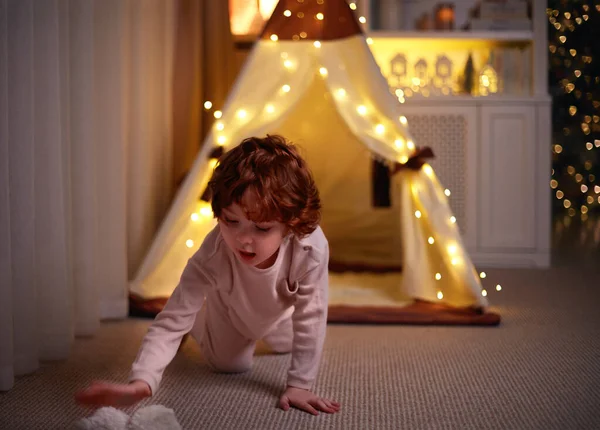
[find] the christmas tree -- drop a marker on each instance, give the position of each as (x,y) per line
(574,80)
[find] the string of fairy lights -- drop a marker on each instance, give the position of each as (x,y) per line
(574,32)
(203,213)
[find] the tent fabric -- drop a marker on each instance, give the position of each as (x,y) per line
(295,20)
(331,99)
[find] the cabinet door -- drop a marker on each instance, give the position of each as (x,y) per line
(507,172)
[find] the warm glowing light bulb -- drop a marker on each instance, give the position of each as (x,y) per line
(323,71)
(189,243)
(207,104)
(379,129)
(498,287)
(369,41)
(447,192)
(483,293)
(219,126)
(288,64)
(218,114)
(241,114)
(362,19)
(431,240)
(482,275)
(404,159)
(362,110)
(341,93)
(317,44)
(440,295)
(195,217)
(410,145)
(418,214)
(286,88)
(352,6)
(427,169)
(455,261)
(438,276)
(399,143)
(274,37)
(270,108)
(403,120)
(287,13)
(320,16)
(221,140)
(453,219)
(452,249)
(206,211)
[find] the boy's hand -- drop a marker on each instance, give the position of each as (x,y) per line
(110,394)
(307,401)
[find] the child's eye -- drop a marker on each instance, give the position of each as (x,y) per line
(230,221)
(263,229)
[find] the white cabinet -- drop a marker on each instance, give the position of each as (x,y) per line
(494,156)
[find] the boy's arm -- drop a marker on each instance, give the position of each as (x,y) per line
(309,324)
(175,320)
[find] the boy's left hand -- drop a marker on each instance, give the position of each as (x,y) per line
(307,401)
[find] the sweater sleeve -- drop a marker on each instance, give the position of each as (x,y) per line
(168,328)
(309,323)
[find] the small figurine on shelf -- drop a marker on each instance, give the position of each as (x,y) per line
(468,80)
(444,16)
(420,81)
(423,23)
(443,75)
(398,67)
(488,78)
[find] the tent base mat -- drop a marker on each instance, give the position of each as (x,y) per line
(417,313)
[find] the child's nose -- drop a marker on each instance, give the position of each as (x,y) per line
(244,237)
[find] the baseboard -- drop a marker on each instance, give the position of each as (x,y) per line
(505,260)
(114,309)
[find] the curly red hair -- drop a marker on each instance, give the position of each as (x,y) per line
(270,171)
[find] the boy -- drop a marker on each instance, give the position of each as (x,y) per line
(262,273)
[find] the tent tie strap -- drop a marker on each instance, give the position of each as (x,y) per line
(416,161)
(217,152)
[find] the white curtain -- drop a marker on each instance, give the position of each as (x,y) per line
(85,124)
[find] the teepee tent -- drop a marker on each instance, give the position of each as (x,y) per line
(311,78)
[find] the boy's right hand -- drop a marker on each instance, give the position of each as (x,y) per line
(101,393)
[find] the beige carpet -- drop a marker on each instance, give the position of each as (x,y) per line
(540,369)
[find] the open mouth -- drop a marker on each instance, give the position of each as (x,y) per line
(247,256)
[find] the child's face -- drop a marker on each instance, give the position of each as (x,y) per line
(253,244)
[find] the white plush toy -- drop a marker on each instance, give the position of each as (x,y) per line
(155,417)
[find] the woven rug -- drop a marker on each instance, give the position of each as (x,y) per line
(539,369)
